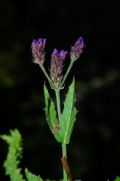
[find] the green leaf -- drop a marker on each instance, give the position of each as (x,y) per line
(117,179)
(51,115)
(31,177)
(68,116)
(14,141)
(47,98)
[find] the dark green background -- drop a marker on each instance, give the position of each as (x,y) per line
(94,151)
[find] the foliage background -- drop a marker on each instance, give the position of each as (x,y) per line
(94,152)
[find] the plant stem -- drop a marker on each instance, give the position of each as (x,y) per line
(57,93)
(66,74)
(64,155)
(64,150)
(47,76)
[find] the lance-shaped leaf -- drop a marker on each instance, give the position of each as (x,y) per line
(68,116)
(51,115)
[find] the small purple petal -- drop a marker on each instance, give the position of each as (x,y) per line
(62,52)
(55,51)
(40,40)
(80,39)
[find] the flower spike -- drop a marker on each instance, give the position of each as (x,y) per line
(77,49)
(38,51)
(57,60)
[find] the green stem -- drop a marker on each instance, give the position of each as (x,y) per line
(66,74)
(47,76)
(64,151)
(64,155)
(57,93)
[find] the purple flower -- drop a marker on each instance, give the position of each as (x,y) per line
(57,60)
(38,50)
(77,49)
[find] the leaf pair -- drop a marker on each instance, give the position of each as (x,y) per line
(61,130)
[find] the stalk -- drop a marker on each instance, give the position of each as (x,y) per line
(66,74)
(57,93)
(47,76)
(64,155)
(64,150)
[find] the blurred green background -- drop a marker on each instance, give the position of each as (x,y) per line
(94,151)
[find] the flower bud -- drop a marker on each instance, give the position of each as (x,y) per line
(57,60)
(38,50)
(77,49)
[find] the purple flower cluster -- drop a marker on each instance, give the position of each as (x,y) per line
(57,60)
(38,51)
(57,57)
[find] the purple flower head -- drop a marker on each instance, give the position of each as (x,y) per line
(56,67)
(77,49)
(38,50)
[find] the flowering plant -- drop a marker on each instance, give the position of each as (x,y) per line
(60,123)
